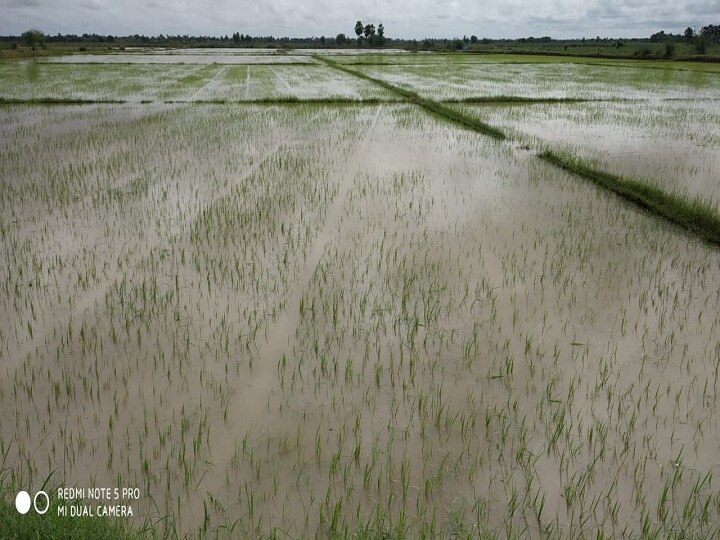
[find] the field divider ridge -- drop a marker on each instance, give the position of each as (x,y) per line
(429,105)
(692,215)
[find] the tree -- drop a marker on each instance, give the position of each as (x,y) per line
(32,38)
(377,40)
(359,32)
(473,39)
(711,32)
(236,39)
(341,39)
(669,49)
(689,34)
(322,41)
(369,30)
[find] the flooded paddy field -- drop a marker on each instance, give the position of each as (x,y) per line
(671,143)
(456,80)
(356,319)
(136,82)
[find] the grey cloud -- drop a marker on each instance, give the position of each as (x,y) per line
(402,18)
(94,5)
(14,4)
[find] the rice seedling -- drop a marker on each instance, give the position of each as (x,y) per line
(306,319)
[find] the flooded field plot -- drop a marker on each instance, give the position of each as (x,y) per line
(454,80)
(326,320)
(432,58)
(149,82)
(189,58)
(673,144)
(303,82)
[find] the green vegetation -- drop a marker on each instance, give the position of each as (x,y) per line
(33,39)
(519,99)
(55,101)
(51,526)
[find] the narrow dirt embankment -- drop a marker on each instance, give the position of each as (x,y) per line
(695,216)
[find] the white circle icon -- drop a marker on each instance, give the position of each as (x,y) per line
(22,502)
(47,502)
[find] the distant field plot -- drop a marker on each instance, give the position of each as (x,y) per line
(155,58)
(29,80)
(302,82)
(458,81)
(430,58)
(152,82)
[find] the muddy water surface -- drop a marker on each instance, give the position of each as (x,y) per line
(321,319)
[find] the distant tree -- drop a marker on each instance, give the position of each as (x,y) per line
(689,34)
(359,32)
(369,30)
(236,39)
(341,39)
(711,32)
(669,49)
(473,39)
(322,40)
(376,40)
(33,38)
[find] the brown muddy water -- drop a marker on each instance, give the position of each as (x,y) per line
(324,320)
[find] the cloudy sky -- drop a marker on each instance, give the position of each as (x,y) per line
(401,18)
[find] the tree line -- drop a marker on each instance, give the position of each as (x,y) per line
(367,34)
(699,38)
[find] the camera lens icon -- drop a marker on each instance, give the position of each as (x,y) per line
(22,502)
(41,502)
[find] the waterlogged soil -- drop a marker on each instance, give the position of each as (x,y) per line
(453,80)
(457,58)
(185,82)
(671,144)
(159,58)
(301,82)
(317,320)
